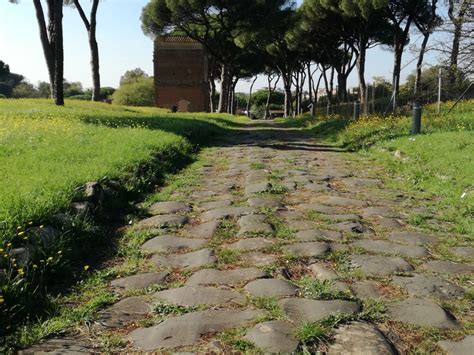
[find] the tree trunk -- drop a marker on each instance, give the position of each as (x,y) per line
(212,92)
(342,87)
(225,85)
(419,64)
(361,72)
(48,50)
(91,26)
(269,95)
(55,13)
(458,22)
(310,89)
(250,96)
(399,45)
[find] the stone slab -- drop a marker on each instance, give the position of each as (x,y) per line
(340,201)
(162,221)
(462,347)
(202,231)
(190,296)
(194,259)
(227,212)
(302,310)
(251,244)
(429,286)
(187,329)
(254,223)
(382,246)
(169,207)
(310,235)
(412,238)
(380,265)
(310,249)
(270,288)
(421,312)
(171,244)
(275,337)
(224,277)
(140,281)
(448,267)
(360,338)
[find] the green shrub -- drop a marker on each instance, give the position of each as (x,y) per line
(140,93)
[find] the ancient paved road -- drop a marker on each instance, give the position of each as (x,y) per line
(278,217)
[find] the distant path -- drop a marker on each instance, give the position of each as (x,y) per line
(283,231)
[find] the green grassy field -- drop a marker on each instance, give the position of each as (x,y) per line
(46,151)
(439,162)
(46,154)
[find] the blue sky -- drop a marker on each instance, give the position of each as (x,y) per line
(122,45)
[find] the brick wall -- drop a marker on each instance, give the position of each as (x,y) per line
(181,74)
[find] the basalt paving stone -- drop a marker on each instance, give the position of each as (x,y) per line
(463,252)
(310,235)
(203,194)
(270,288)
(202,231)
(366,289)
(448,267)
(290,215)
(140,281)
(381,246)
(289,185)
(421,312)
(72,345)
(462,347)
(227,212)
(224,277)
(310,249)
(257,188)
(190,260)
(380,265)
(189,296)
(353,227)
(314,187)
(341,217)
(171,244)
(266,202)
(303,310)
(169,207)
(317,207)
(128,310)
(389,223)
(340,201)
(256,258)
(297,172)
(162,221)
(214,204)
(339,246)
(379,211)
(254,223)
(300,225)
(429,286)
(360,338)
(300,180)
(412,238)
(251,244)
(187,329)
(275,337)
(322,272)
(360,182)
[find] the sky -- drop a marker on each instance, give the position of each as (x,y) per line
(122,45)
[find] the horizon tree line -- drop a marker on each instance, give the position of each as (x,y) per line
(288,44)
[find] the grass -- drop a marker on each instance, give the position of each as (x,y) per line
(46,154)
(438,163)
(320,290)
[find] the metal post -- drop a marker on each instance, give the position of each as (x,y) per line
(416,128)
(366,101)
(356,113)
(328,110)
(439,92)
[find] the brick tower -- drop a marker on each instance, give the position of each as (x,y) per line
(181,77)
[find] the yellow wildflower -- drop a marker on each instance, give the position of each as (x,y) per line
(9,245)
(2,299)
(19,227)
(86,267)
(21,233)
(30,223)
(2,250)
(35,266)
(41,226)
(60,252)
(21,272)
(49,259)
